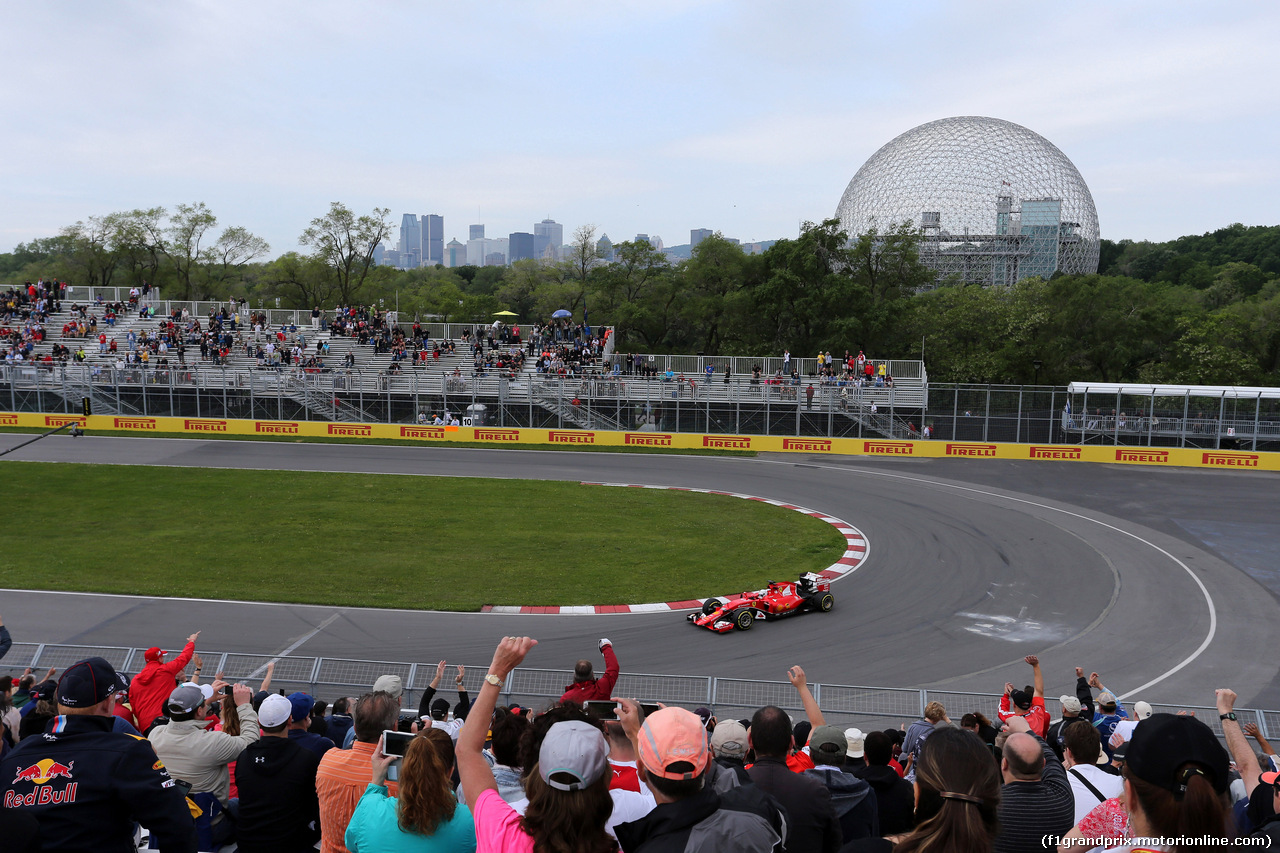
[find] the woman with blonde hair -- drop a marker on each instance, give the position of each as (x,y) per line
(425,816)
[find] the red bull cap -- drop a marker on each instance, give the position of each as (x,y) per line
(87,683)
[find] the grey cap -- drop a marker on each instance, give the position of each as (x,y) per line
(184,700)
(729,739)
(389,684)
(827,742)
(577,749)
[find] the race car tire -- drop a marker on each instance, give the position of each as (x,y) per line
(743,619)
(826,602)
(709,606)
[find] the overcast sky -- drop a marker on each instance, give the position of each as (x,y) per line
(654,116)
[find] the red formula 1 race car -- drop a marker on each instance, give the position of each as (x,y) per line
(779,599)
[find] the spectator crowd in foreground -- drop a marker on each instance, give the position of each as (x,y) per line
(189,761)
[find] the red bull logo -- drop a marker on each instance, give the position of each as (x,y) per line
(647,439)
(1055,452)
(43,771)
(359,430)
(971,450)
(556,436)
(818,445)
(1237,460)
(727,442)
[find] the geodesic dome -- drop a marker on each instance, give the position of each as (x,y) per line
(995,202)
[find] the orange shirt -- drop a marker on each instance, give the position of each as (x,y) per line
(341,780)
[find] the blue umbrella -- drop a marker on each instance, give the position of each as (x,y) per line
(562,314)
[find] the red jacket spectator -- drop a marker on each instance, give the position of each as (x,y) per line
(588,689)
(150,688)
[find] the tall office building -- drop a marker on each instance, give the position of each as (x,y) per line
(455,254)
(477,232)
(432,239)
(520,245)
(410,241)
(697,235)
(547,237)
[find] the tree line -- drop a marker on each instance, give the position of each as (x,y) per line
(1199,309)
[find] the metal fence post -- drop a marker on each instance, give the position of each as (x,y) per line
(315,674)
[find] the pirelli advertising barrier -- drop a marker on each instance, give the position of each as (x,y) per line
(1168,457)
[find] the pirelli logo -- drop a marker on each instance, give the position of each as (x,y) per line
(1157,456)
(63,420)
(1056,452)
(1231,460)
(497,434)
(727,442)
(436,433)
(817,445)
(8,419)
(135,423)
(356,430)
(647,439)
(888,448)
(203,425)
(559,436)
(276,427)
(971,450)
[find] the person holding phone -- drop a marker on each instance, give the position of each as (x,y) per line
(425,815)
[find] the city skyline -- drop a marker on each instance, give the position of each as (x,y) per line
(746,118)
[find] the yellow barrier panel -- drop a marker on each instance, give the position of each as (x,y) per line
(932,449)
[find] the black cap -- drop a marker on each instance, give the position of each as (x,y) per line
(1021,698)
(1166,750)
(45,690)
(440,708)
(86,683)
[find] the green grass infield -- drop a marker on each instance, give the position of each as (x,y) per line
(370,540)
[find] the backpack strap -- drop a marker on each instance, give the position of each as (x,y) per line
(1076,773)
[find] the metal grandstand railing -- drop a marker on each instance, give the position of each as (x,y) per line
(328,678)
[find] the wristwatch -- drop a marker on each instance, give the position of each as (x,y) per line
(1227,716)
(493,679)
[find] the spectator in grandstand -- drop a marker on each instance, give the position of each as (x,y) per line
(1175,780)
(425,816)
(1090,784)
(339,720)
(895,799)
(151,687)
(855,749)
(1124,728)
(344,774)
(300,722)
(319,723)
(729,748)
(934,716)
(85,784)
(40,711)
(690,814)
(1109,712)
(622,758)
(1027,703)
(958,792)
(438,709)
(1036,798)
(568,788)
(200,756)
(851,797)
(506,731)
(811,820)
(1078,708)
(586,687)
(276,778)
(389,684)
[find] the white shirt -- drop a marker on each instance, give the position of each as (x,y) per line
(1109,786)
(627,806)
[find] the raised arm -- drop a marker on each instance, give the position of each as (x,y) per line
(1241,754)
(1037,677)
(812,711)
(266,681)
(1251,729)
(473,770)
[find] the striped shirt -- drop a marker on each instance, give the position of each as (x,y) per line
(341,780)
(1030,810)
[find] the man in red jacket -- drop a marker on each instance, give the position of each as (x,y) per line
(150,688)
(586,687)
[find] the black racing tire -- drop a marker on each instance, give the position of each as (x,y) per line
(709,606)
(826,601)
(743,619)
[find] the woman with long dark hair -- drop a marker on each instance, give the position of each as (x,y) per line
(425,815)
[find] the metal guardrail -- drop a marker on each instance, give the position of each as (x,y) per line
(329,678)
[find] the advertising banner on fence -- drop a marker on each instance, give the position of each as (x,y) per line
(1172,457)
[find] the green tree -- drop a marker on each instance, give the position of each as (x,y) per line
(345,243)
(188,228)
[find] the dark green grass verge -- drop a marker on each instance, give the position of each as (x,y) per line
(389,541)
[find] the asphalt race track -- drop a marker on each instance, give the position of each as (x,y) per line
(1164,581)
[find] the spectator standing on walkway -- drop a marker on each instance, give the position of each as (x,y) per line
(276,778)
(1036,798)
(895,799)
(586,687)
(851,797)
(811,820)
(151,687)
(934,716)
